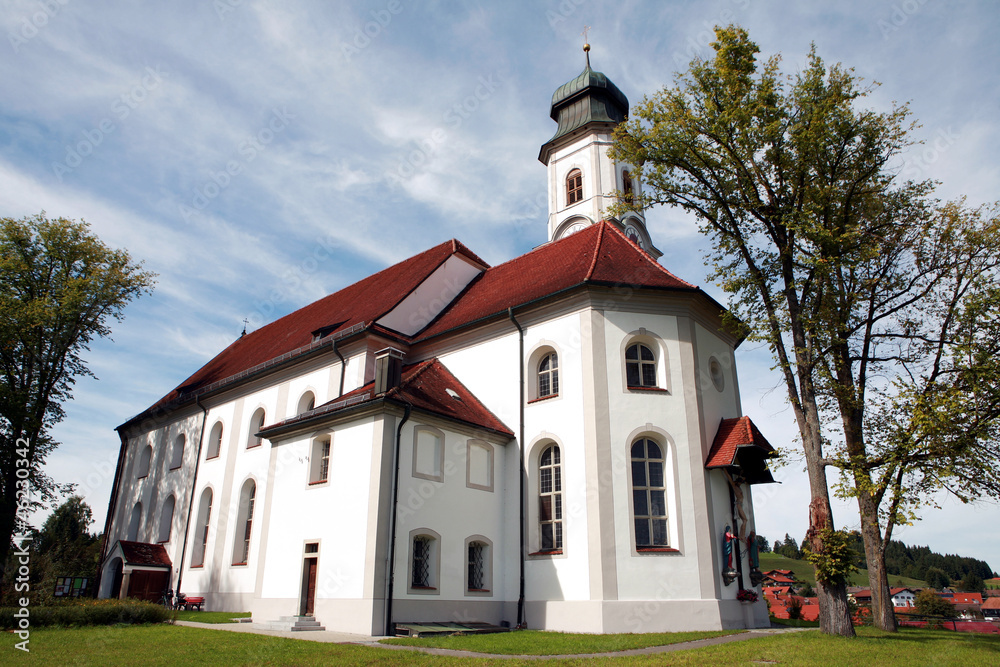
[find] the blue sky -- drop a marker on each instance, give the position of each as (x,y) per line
(259,155)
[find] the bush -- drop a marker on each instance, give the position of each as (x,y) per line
(88,612)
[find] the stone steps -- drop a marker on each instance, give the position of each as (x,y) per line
(293,624)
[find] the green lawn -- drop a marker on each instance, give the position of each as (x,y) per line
(171,646)
(804,571)
(210,616)
(535,642)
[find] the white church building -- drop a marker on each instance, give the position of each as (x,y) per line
(555,442)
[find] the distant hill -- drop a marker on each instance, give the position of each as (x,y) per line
(804,571)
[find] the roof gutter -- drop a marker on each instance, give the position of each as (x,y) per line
(194,482)
(521,473)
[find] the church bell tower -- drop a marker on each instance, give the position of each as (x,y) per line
(583,180)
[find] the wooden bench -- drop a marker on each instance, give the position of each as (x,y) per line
(190,603)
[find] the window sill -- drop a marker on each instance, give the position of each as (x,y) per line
(543,398)
(318,482)
(548,552)
(209,458)
(653,389)
(142,476)
(176,468)
(254,446)
(657,550)
(196,567)
(423,588)
(239,564)
(478,590)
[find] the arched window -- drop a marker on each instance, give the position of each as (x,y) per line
(428,453)
(133,523)
(201,529)
(319,462)
(166,520)
(177,452)
(574,187)
(306,403)
(649,505)
(214,441)
(256,424)
(479,565)
(425,561)
(142,468)
(548,375)
(550,510)
(244,523)
(640,366)
(628,192)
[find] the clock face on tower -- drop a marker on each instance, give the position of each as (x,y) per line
(574,228)
(633,235)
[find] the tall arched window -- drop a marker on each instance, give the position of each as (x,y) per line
(574,187)
(306,403)
(142,468)
(628,192)
(244,523)
(640,366)
(133,523)
(214,441)
(550,510)
(201,529)
(425,562)
(256,424)
(649,505)
(166,520)
(177,452)
(548,375)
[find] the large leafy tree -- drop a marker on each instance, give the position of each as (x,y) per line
(60,287)
(844,272)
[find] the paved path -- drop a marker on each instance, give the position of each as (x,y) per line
(347,638)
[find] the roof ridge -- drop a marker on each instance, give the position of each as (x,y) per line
(649,258)
(538,248)
(597,249)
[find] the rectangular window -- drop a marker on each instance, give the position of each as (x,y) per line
(477,566)
(421,562)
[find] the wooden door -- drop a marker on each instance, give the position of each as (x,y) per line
(308,587)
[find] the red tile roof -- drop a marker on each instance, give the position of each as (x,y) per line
(361,303)
(597,255)
(991,603)
(426,387)
(967,598)
(140,553)
(733,434)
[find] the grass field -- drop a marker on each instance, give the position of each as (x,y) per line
(804,572)
(170,645)
(536,642)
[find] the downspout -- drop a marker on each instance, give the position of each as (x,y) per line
(391,564)
(521,472)
(194,482)
(343,367)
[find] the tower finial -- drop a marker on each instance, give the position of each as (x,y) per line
(586,46)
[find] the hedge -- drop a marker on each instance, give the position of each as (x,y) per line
(87,612)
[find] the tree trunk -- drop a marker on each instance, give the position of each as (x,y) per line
(883,614)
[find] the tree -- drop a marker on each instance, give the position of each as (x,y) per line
(806,590)
(59,288)
(972,583)
(936,578)
(929,603)
(830,261)
(763,546)
(63,547)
